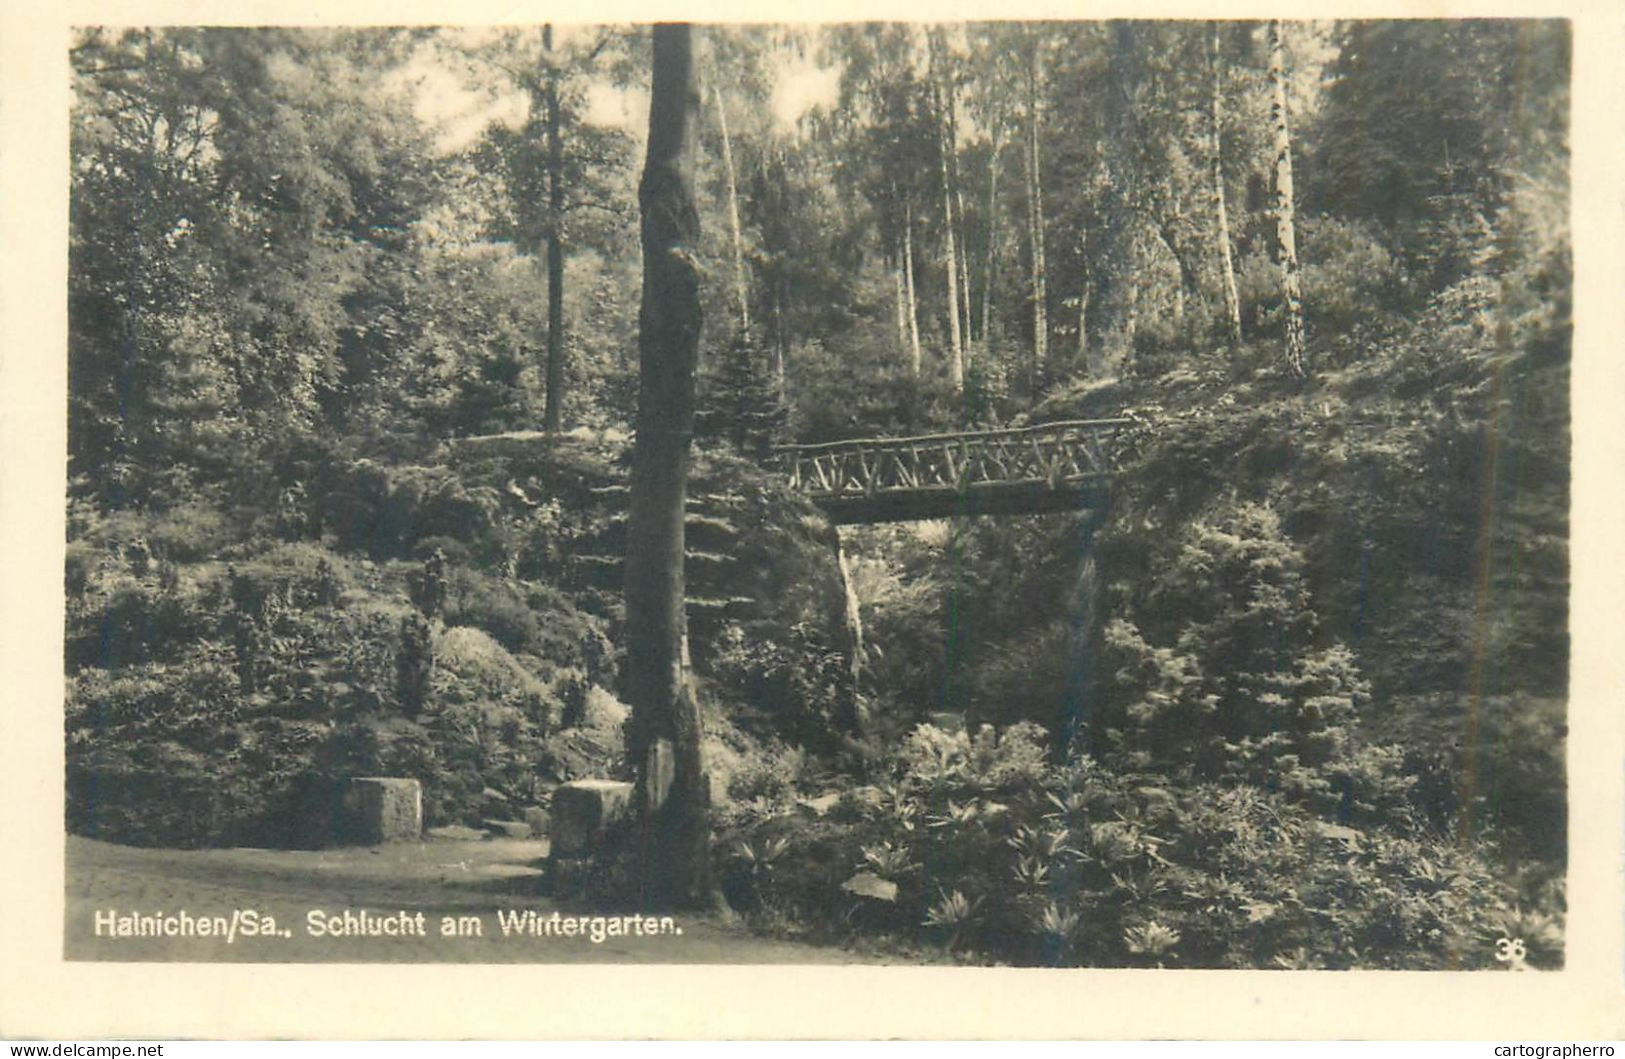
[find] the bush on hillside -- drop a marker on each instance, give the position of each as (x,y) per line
(1228,679)
(226,701)
(982,847)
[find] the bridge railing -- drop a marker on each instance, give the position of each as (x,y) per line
(1061,453)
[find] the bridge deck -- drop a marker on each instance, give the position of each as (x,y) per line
(1029,470)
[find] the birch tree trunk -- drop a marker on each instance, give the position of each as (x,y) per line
(902,311)
(959,210)
(1083,327)
(1035,211)
(1131,321)
(915,360)
(741,280)
(672,790)
(1285,224)
(956,362)
(964,274)
(553,408)
(781,299)
(992,269)
(1227,267)
(956,339)
(1172,239)
(1083,304)
(781,349)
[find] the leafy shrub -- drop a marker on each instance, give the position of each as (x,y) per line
(933,759)
(297,575)
(593,747)
(1493,765)
(229,702)
(188,532)
(1239,688)
(858,386)
(120,619)
(159,794)
(1348,274)
(414,665)
(192,700)
(473,669)
(365,674)
(1030,677)
(1000,856)
(800,687)
(386,510)
(901,603)
(769,777)
(79,566)
(527,619)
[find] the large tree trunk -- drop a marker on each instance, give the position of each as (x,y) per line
(1124,198)
(1285,223)
(664,746)
(1227,267)
(915,360)
(553,409)
(1035,214)
(741,279)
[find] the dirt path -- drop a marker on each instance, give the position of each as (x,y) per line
(463,885)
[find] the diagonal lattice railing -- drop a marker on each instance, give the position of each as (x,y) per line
(1056,457)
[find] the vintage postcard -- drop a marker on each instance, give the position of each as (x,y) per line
(1055,522)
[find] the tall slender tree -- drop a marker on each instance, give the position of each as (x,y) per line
(672,790)
(915,357)
(894,257)
(1221,233)
(1035,204)
(945,148)
(995,78)
(951,82)
(1085,281)
(1286,239)
(741,277)
(1127,145)
(553,410)
(991,268)
(889,137)
(561,175)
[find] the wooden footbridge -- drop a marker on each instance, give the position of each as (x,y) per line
(1029,470)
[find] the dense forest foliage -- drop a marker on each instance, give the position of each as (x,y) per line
(1296,699)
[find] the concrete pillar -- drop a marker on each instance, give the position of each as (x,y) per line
(383,809)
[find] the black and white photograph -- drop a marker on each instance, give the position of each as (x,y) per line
(1075,493)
